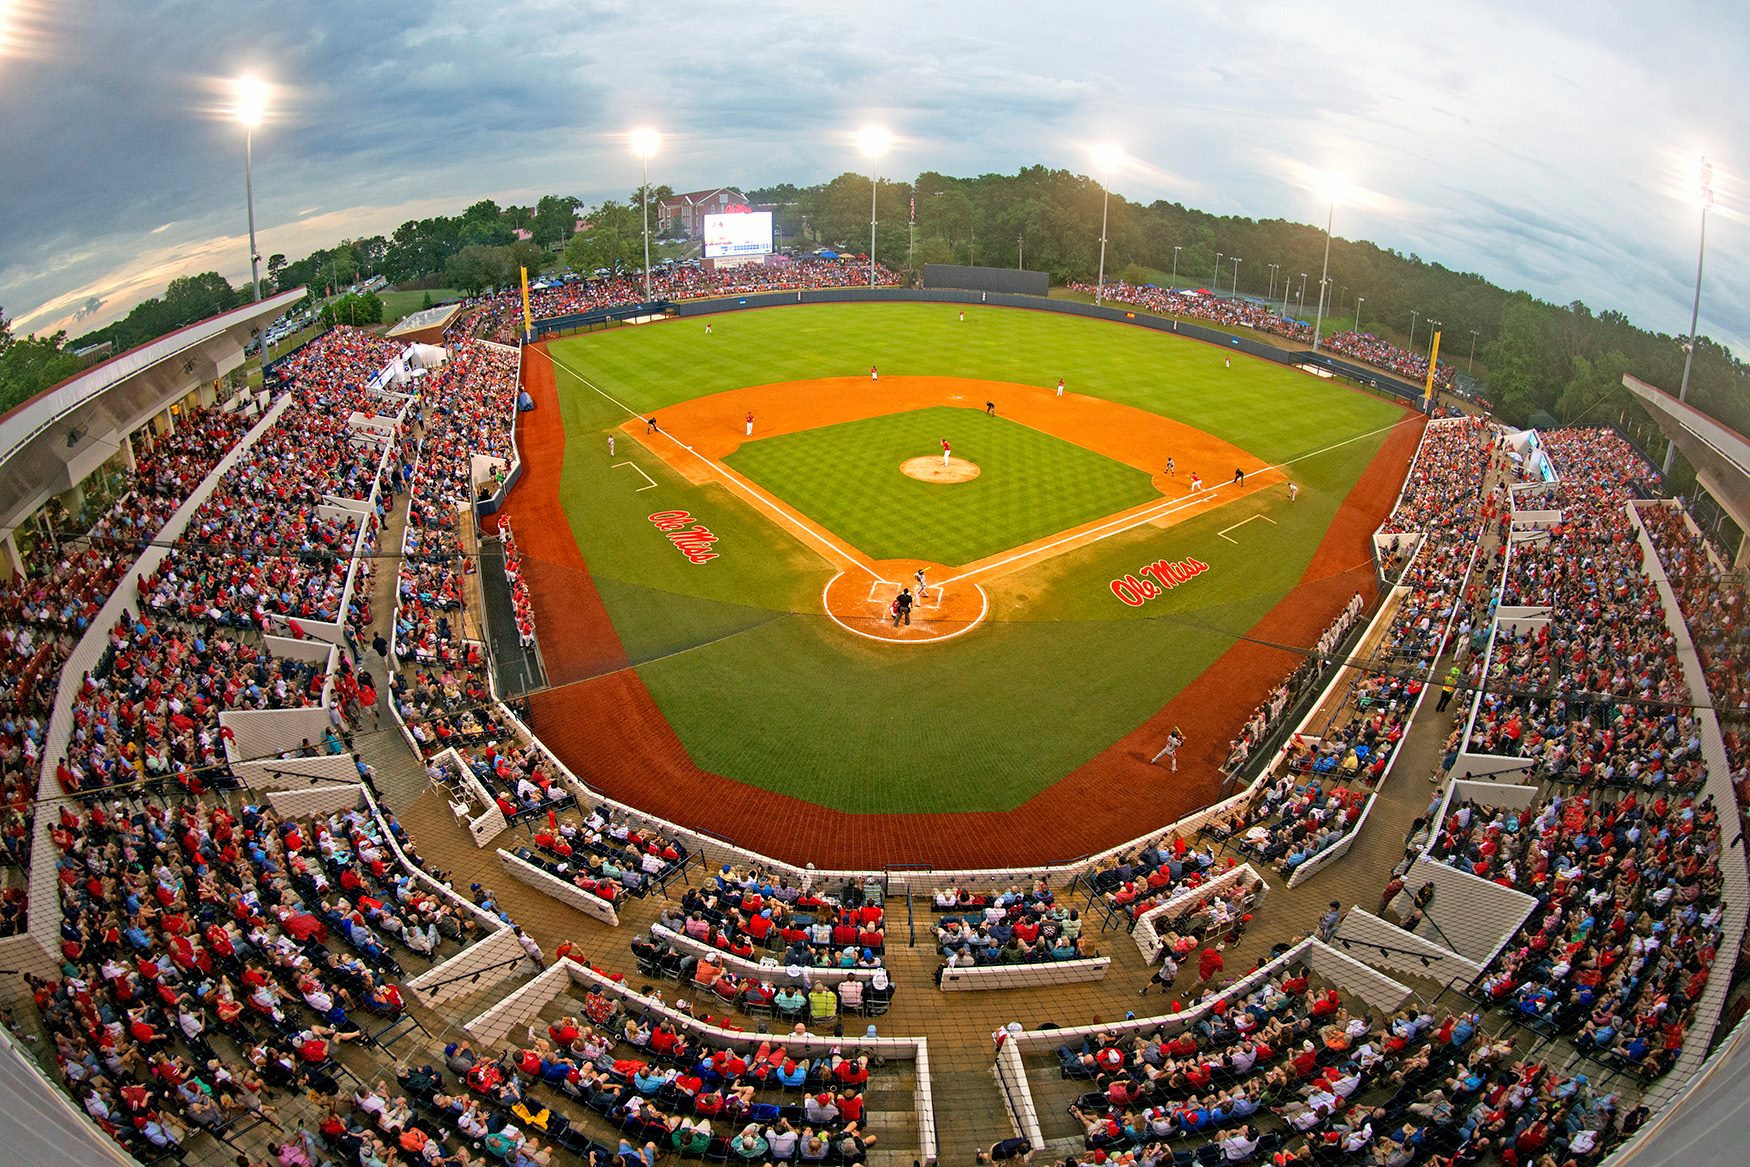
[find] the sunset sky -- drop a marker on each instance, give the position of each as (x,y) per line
(1548,147)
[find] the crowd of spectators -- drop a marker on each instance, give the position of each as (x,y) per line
(605,855)
(1234,311)
(1136,880)
(1286,823)
(216,958)
(150,709)
(665,1090)
(522,607)
(754,914)
(43,613)
(270,549)
(1594,694)
(1017,926)
(1201,305)
(1365,347)
(1624,935)
(1715,604)
(792,993)
(499,316)
(1289,1075)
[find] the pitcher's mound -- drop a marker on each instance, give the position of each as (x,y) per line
(931,469)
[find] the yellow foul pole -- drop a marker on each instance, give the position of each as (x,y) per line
(1427,392)
(528,322)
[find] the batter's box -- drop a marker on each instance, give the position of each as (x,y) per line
(882,593)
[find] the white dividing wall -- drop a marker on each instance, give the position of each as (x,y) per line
(1474,917)
(283,773)
(496,958)
(979,978)
(1146,932)
(569,894)
(1364,935)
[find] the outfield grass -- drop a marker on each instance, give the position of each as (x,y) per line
(397,306)
(847,478)
(762,687)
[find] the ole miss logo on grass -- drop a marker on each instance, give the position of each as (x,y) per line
(694,542)
(1159,577)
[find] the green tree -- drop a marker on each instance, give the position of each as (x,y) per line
(614,241)
(1528,372)
(555,219)
(30,364)
(1594,393)
(353,309)
(476,266)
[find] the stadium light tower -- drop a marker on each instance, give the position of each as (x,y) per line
(252,94)
(1234,291)
(645,143)
(1216,282)
(1473,352)
(1333,192)
(1106,159)
(1300,301)
(874,142)
(1707,201)
(1359,300)
(1175,278)
(1272,293)
(1414,312)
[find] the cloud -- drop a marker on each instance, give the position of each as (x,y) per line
(1503,138)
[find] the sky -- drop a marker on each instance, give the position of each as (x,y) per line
(1551,147)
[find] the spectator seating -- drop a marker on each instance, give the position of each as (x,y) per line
(1627,923)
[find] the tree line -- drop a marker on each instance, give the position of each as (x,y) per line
(1541,362)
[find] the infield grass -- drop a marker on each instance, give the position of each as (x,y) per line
(847,477)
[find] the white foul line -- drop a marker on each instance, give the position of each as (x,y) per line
(729,476)
(1223,532)
(1162,509)
(640,470)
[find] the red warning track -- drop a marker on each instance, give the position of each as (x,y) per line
(610,731)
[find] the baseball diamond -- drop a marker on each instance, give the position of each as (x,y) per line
(1020,678)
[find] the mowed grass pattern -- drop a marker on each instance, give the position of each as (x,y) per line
(847,478)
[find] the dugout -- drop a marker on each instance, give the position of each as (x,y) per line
(1008,280)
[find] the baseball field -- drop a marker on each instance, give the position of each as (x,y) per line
(717,525)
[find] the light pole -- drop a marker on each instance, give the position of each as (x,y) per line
(1473,353)
(1414,312)
(645,143)
(1272,268)
(1707,201)
(1175,279)
(1106,160)
(1359,300)
(874,142)
(252,93)
(1216,282)
(1234,292)
(1319,321)
(1300,304)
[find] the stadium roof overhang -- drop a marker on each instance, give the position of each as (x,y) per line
(1720,455)
(50,443)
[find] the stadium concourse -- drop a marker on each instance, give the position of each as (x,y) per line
(292,887)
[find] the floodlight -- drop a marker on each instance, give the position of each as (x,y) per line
(645,142)
(252,95)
